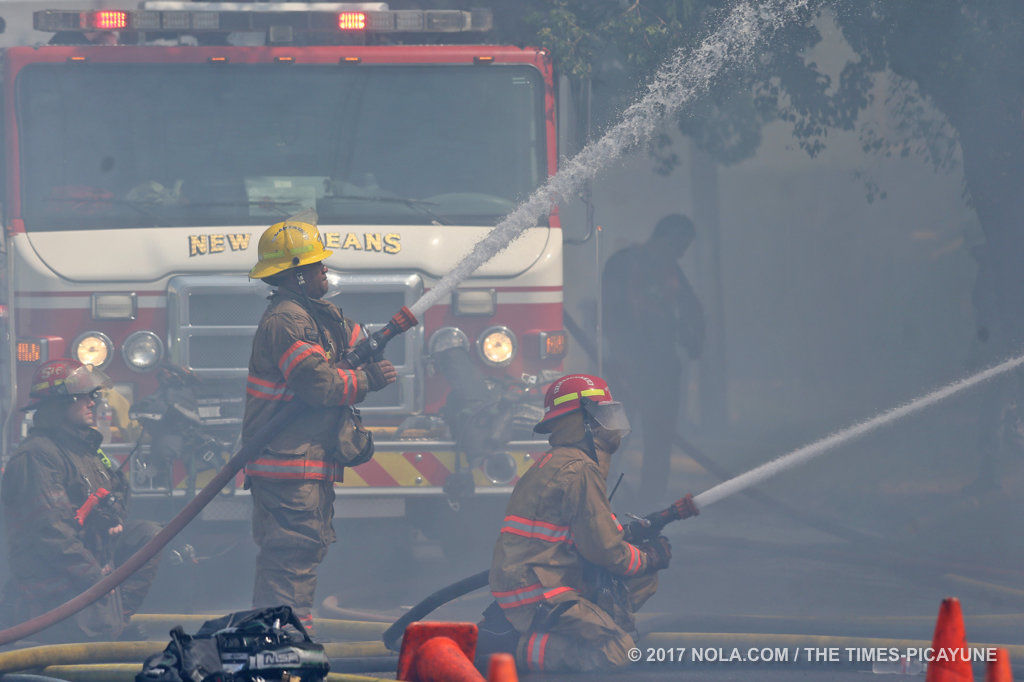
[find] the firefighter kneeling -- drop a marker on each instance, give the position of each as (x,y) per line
(64,505)
(566,582)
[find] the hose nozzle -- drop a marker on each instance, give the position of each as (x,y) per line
(372,348)
(404,320)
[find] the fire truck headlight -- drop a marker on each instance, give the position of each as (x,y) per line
(445,338)
(142,351)
(497,346)
(500,468)
(92,348)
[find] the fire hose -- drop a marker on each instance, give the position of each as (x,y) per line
(649,525)
(642,528)
(367,349)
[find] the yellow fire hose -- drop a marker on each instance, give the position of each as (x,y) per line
(126,672)
(327,629)
(92,652)
(106,661)
(357,649)
(118,652)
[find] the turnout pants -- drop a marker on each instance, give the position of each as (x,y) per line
(135,588)
(584,637)
(291,524)
(102,620)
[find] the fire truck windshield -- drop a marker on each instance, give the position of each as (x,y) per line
(162,145)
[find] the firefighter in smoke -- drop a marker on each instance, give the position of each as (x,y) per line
(295,356)
(566,582)
(643,288)
(65,504)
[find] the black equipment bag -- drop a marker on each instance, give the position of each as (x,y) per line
(261,644)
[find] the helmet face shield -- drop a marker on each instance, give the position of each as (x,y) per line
(610,416)
(86,379)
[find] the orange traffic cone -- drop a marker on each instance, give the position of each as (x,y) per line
(502,668)
(438,652)
(998,670)
(951,662)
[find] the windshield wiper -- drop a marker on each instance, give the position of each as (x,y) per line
(415,204)
(279,206)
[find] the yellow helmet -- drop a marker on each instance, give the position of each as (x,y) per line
(289,244)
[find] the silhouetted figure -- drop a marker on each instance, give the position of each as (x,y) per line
(649,313)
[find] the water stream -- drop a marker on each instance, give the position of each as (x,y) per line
(684,76)
(807,452)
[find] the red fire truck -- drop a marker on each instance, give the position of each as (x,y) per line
(145,150)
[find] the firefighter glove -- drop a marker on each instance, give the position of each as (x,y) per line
(659,553)
(636,530)
(107,515)
(685,507)
(380,374)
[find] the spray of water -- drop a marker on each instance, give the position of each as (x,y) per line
(679,80)
(807,452)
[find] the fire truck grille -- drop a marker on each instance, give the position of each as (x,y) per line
(212,321)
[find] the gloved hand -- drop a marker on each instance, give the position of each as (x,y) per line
(103,524)
(102,513)
(658,551)
(685,508)
(636,530)
(380,374)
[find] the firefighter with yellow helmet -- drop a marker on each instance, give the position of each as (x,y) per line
(297,355)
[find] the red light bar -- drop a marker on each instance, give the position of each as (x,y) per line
(352,21)
(109,20)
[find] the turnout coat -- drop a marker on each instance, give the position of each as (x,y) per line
(296,355)
(558,521)
(52,556)
(563,575)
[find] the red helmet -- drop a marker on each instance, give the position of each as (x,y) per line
(565,396)
(63,378)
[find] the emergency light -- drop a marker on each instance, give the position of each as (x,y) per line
(552,344)
(109,20)
(41,349)
(31,351)
(114,306)
(229,17)
(352,21)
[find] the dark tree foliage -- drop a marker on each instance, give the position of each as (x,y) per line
(965,57)
(962,58)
